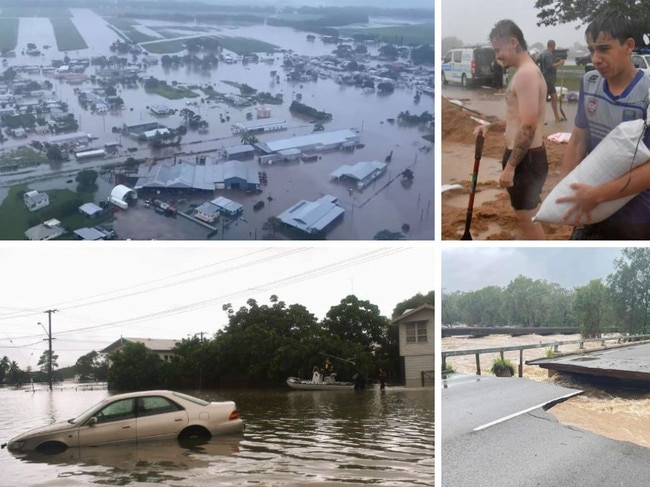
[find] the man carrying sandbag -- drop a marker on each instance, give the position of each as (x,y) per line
(524,163)
(616,92)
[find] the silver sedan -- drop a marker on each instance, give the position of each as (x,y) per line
(135,417)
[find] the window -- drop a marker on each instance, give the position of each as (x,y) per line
(116,411)
(416,332)
(148,406)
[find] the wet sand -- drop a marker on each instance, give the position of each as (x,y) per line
(619,414)
(493,217)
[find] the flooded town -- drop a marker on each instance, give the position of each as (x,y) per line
(124,123)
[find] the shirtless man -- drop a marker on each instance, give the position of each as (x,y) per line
(525,166)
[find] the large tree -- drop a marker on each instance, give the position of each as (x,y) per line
(591,308)
(358,321)
(554,12)
(44,360)
(135,368)
(630,287)
(92,366)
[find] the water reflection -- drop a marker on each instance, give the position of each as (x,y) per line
(291,438)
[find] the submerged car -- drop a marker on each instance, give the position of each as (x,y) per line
(135,417)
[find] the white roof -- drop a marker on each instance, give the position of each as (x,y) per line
(227,205)
(120,192)
(90,208)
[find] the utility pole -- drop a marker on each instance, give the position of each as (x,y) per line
(49,339)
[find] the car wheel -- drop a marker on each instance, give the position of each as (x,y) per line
(194,433)
(444,79)
(463,81)
(52,447)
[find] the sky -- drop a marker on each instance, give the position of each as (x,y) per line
(175,290)
(472,268)
(471,22)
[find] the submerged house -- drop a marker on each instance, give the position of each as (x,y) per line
(416,344)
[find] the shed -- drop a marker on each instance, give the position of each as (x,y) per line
(239,152)
(90,209)
(313,217)
(89,233)
(227,206)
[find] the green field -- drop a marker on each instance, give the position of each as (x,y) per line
(67,36)
(416,34)
(47,12)
(16,218)
(173,93)
(8,34)
(244,45)
(128,29)
(164,47)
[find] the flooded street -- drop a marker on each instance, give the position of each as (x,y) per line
(388,203)
(292,438)
(613,411)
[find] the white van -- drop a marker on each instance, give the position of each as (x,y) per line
(472,66)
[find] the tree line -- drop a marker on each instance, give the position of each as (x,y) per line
(621,301)
(261,346)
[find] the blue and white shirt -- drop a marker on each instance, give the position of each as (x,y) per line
(599,111)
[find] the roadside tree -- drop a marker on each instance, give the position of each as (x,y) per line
(630,288)
(135,368)
(591,307)
(45,359)
(92,366)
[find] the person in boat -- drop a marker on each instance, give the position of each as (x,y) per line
(327,367)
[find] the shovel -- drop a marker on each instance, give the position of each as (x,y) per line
(478,150)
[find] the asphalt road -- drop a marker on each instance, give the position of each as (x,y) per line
(529,449)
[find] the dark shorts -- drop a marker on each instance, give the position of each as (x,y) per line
(608,230)
(550,86)
(530,176)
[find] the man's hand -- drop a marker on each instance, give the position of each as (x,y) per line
(507,178)
(584,200)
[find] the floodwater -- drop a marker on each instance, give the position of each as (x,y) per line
(292,438)
(618,412)
(379,206)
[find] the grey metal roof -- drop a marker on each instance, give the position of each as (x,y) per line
(312,216)
(186,175)
(227,205)
(90,208)
(311,140)
(359,171)
(88,233)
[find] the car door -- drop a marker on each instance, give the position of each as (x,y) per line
(114,423)
(159,418)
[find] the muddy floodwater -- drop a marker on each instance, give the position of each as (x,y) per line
(292,438)
(390,203)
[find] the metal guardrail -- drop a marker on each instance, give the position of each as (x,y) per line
(555,346)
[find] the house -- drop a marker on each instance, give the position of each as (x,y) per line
(207,212)
(162,347)
(45,231)
(35,201)
(313,217)
(416,343)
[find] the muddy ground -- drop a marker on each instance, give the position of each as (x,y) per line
(493,217)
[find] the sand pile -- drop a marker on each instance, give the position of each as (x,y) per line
(493,218)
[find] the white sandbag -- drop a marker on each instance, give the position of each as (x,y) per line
(613,157)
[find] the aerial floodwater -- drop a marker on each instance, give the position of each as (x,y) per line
(396,203)
(292,438)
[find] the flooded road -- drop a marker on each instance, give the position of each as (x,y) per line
(380,206)
(292,438)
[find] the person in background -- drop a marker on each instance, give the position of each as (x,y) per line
(524,163)
(549,65)
(383,376)
(615,92)
(327,367)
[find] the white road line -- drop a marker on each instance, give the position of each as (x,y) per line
(524,411)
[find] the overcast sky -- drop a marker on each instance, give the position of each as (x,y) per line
(471,22)
(471,268)
(176,290)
